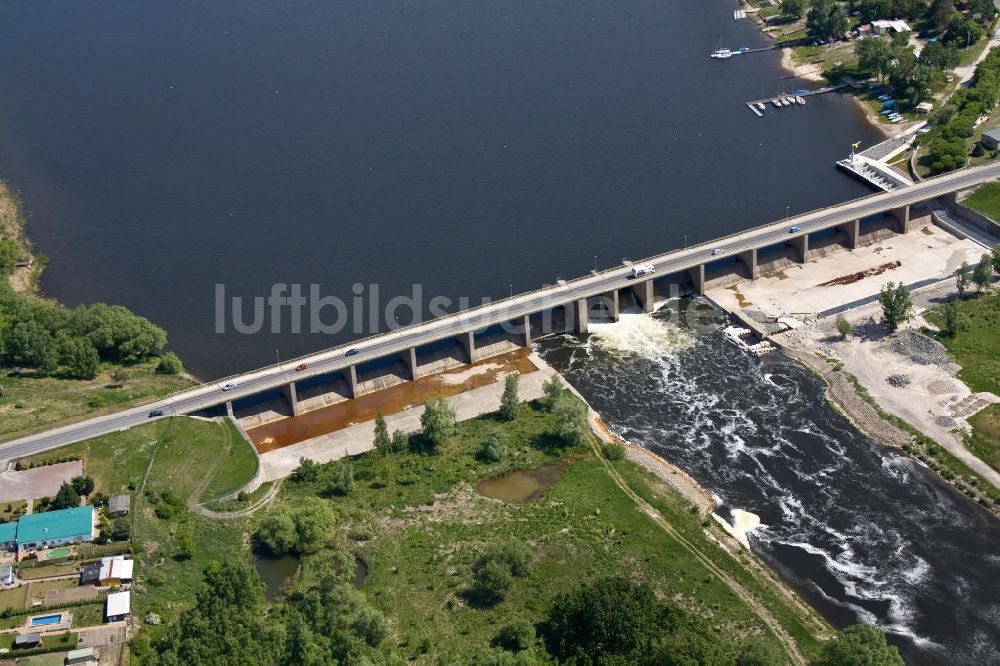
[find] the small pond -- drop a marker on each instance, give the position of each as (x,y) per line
(524,485)
(276,572)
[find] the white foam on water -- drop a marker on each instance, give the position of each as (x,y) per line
(743,524)
(641,335)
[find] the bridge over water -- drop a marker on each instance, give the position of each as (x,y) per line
(471,335)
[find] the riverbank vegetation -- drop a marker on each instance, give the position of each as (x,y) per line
(450,575)
(65,364)
(973,342)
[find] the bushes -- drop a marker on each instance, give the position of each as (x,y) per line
(613,450)
(169,364)
(516,636)
(494,572)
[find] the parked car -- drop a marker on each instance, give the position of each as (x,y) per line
(155,413)
(351,352)
(794,230)
(301,366)
(228,386)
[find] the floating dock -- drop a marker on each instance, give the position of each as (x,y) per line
(752,105)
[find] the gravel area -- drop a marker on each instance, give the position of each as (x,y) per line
(899,381)
(920,349)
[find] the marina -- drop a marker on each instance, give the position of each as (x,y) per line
(784,99)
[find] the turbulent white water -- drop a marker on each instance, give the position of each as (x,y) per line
(865,534)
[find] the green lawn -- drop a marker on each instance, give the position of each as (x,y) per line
(238,467)
(13,598)
(986,200)
(985,439)
(31,404)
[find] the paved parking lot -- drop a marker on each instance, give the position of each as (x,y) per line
(37,482)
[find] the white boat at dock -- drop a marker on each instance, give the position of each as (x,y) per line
(722,53)
(776,103)
(800,100)
(760,106)
(784,101)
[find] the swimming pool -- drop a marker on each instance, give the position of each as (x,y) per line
(42,620)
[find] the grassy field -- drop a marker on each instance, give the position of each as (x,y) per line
(31,404)
(13,598)
(419,524)
(977,350)
(986,200)
(236,469)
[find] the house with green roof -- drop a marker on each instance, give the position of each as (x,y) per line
(8,535)
(55,528)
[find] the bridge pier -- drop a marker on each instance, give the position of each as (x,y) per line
(351,375)
(527,330)
(468,343)
(612,302)
(951,198)
(853,230)
(802,245)
(698,278)
(409,357)
(288,390)
(580,316)
(749,259)
(902,215)
(644,295)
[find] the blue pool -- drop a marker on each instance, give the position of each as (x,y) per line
(46,619)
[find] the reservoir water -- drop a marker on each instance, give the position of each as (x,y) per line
(167,146)
(863,533)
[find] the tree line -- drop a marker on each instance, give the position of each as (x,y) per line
(50,338)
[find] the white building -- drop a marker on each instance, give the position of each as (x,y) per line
(118,606)
(883,27)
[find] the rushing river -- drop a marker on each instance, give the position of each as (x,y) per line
(865,534)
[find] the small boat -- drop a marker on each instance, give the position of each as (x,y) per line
(776,103)
(800,100)
(784,101)
(760,106)
(722,53)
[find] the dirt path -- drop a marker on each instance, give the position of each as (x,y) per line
(791,648)
(242,513)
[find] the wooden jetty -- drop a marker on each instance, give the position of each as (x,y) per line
(752,105)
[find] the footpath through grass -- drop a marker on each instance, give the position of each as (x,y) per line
(977,349)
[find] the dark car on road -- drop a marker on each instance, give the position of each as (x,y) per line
(155,413)
(351,352)
(301,366)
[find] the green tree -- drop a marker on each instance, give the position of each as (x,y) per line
(306,472)
(843,326)
(83,485)
(66,498)
(120,335)
(517,636)
(400,441)
(120,377)
(552,390)
(793,9)
(383,443)
(305,529)
(571,420)
(875,55)
(963,279)
(493,449)
(437,421)
(509,401)
(896,305)
(613,621)
(983,275)
(10,252)
(341,479)
(953,320)
(826,19)
(120,529)
(80,358)
(30,343)
(859,645)
(995,256)
(169,364)
(277,532)
(490,583)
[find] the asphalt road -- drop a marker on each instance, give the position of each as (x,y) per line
(331,360)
